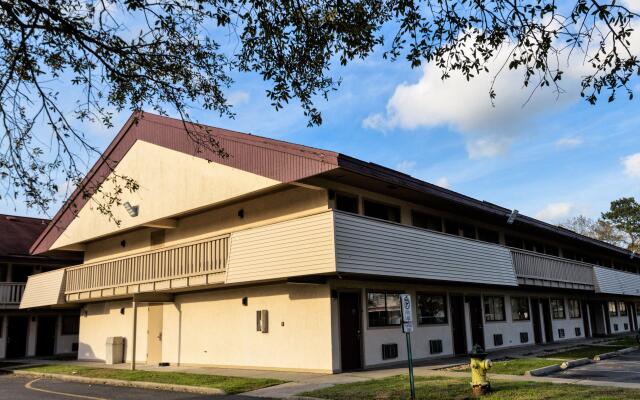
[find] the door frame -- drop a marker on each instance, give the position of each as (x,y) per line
(361,323)
(462,319)
(536,321)
(547,319)
(55,320)
(474,327)
(150,342)
(12,318)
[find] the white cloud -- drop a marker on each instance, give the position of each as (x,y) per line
(406,166)
(554,212)
(568,142)
(632,165)
(238,97)
(376,121)
(443,182)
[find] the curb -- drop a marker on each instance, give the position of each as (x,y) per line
(544,370)
(121,383)
(612,354)
(575,363)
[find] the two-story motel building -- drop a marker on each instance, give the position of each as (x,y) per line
(282,256)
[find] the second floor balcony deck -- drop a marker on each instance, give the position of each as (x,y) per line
(11,294)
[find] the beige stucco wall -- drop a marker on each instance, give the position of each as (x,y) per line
(170,183)
(214,328)
(270,208)
(103,320)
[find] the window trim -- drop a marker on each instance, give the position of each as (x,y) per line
(445,304)
(626,310)
(385,292)
(616,312)
(528,308)
(75,318)
(337,193)
(504,311)
(564,308)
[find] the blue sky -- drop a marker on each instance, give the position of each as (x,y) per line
(554,157)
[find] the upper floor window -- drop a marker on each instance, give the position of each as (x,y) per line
(346,202)
(557,309)
(513,241)
(383,309)
(551,250)
(426,221)
(574,308)
(566,253)
(460,229)
(623,309)
(494,308)
(381,211)
(432,308)
(487,235)
(519,309)
(4,268)
(613,310)
(70,325)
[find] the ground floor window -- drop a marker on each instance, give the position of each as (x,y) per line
(494,308)
(432,309)
(70,325)
(557,308)
(623,309)
(383,309)
(613,310)
(519,308)
(574,308)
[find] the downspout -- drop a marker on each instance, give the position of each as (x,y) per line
(133,339)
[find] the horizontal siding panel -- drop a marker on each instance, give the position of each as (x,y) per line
(616,282)
(548,268)
(45,289)
(368,246)
(302,246)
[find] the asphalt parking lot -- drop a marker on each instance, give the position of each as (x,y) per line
(625,368)
(14,387)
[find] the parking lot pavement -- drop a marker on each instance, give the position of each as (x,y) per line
(14,387)
(625,368)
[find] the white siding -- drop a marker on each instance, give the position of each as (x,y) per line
(616,282)
(368,246)
(302,246)
(46,289)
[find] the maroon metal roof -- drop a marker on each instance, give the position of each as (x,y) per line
(16,236)
(275,159)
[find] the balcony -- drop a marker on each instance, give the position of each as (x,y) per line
(536,269)
(11,294)
(183,266)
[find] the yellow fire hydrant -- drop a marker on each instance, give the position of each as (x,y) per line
(479,364)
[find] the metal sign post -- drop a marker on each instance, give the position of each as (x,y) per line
(407,328)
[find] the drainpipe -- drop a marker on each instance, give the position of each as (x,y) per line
(133,339)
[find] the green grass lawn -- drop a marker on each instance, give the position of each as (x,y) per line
(229,384)
(439,388)
(627,341)
(584,351)
(516,366)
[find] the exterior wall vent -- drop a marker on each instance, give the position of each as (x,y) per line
(578,331)
(497,339)
(524,337)
(561,333)
(389,351)
(435,346)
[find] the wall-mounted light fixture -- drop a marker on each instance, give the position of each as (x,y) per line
(132,210)
(512,217)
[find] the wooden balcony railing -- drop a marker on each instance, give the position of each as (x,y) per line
(11,293)
(167,264)
(543,270)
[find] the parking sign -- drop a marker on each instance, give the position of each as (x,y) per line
(407,315)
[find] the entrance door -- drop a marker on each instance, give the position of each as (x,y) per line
(154,334)
(477,323)
(630,315)
(17,330)
(585,318)
(46,336)
(607,317)
(535,319)
(546,317)
(350,332)
(458,327)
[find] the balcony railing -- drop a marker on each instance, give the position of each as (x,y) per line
(200,262)
(542,270)
(11,293)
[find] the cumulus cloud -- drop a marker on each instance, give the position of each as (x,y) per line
(568,142)
(238,97)
(632,165)
(554,212)
(443,182)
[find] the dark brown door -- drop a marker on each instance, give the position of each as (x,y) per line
(458,327)
(535,319)
(17,337)
(630,315)
(585,318)
(546,317)
(607,317)
(46,337)
(634,315)
(477,323)
(350,331)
